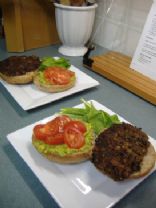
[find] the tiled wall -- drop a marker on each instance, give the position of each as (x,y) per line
(120,27)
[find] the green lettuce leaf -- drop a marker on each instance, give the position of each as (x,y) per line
(99,119)
(50,61)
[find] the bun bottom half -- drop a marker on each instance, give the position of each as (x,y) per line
(147,164)
(66,159)
(53,88)
(21,79)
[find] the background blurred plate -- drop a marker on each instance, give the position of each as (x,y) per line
(29,96)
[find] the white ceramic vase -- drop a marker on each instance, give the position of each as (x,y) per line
(74,26)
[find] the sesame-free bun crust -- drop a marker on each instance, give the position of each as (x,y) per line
(67,159)
(21,79)
(147,163)
(52,87)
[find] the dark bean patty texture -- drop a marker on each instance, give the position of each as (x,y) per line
(19,65)
(119,150)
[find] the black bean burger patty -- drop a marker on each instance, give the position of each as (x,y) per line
(119,150)
(19,65)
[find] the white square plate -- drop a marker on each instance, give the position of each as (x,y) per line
(29,96)
(79,185)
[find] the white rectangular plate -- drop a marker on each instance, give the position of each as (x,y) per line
(29,96)
(78,185)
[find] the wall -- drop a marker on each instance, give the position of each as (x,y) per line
(120,27)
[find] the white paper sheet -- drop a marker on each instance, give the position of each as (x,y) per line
(144,59)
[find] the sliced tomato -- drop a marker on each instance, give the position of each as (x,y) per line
(62,121)
(51,128)
(55,139)
(61,130)
(61,78)
(73,138)
(42,131)
(58,75)
(48,73)
(76,124)
(39,132)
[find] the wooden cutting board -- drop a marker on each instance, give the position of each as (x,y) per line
(115,67)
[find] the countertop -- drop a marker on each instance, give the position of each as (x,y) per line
(19,187)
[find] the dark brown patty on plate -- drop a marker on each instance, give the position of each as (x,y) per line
(120,150)
(19,65)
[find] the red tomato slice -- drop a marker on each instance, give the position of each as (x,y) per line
(52,127)
(56,139)
(61,78)
(53,131)
(39,132)
(62,121)
(73,138)
(42,131)
(76,124)
(48,73)
(58,75)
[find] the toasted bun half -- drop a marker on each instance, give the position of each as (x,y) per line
(147,163)
(21,79)
(76,157)
(51,87)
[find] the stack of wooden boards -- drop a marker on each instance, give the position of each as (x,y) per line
(116,67)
